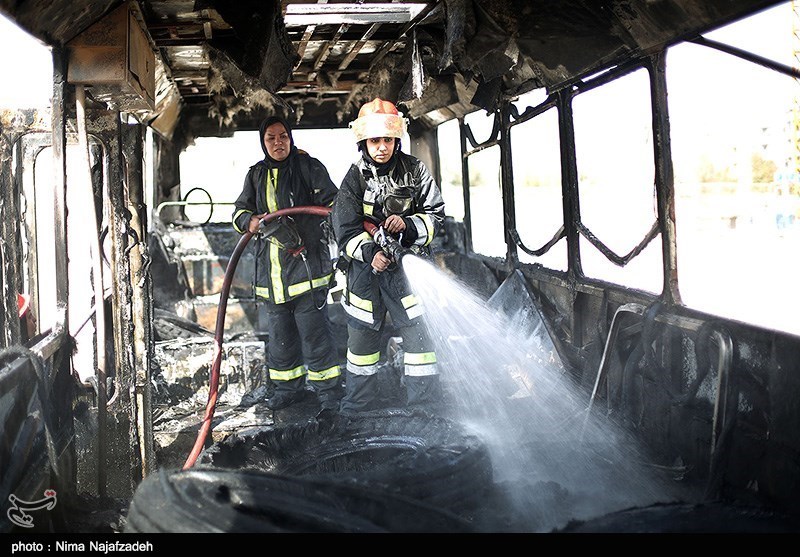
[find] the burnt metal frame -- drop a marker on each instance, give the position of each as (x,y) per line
(508,116)
(130,297)
(10,273)
(49,353)
(512,117)
(575,226)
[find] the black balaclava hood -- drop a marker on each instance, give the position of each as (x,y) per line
(262,130)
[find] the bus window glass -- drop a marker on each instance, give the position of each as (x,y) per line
(449,141)
(537,188)
(533,98)
(616,180)
(149,168)
(336,148)
(486,200)
(218,166)
(737,189)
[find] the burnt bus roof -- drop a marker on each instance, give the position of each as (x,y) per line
(220,66)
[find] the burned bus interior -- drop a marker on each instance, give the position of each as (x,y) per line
(578,399)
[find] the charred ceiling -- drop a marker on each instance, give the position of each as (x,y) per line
(222,65)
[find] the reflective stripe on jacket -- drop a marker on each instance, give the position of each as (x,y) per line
(360,199)
(301,181)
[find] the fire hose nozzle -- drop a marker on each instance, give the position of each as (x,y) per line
(390,245)
(395,251)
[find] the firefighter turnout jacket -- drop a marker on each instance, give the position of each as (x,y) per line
(365,192)
(287,271)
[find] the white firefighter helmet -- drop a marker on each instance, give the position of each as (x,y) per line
(378,118)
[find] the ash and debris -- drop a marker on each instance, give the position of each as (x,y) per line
(553,495)
(96,515)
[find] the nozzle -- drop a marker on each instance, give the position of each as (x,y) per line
(396,251)
(390,245)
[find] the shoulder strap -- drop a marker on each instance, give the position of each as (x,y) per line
(361,180)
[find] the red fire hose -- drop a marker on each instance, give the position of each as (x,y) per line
(205,426)
(371,228)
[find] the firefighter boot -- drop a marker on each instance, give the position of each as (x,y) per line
(423,391)
(286,393)
(361,391)
(329,392)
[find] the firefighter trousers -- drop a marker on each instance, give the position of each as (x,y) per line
(420,377)
(300,348)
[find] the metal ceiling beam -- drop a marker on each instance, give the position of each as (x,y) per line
(388,46)
(358,46)
(325,50)
(307,34)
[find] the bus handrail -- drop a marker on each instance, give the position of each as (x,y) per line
(164,204)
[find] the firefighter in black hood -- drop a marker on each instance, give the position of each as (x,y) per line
(294,267)
(387,188)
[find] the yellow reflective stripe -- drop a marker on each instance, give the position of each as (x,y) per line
(263,292)
(350,249)
(272,190)
(360,314)
(424,228)
(409,301)
(412,306)
(360,303)
(350,309)
(300,287)
(321,281)
(325,374)
(275,273)
(419,358)
(365,360)
(368,203)
(236,216)
(426,218)
(287,374)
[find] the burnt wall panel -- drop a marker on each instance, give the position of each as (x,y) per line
(782,459)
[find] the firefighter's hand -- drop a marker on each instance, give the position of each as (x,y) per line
(394,224)
(380,262)
(252,226)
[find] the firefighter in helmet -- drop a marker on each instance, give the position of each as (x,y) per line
(294,267)
(395,191)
